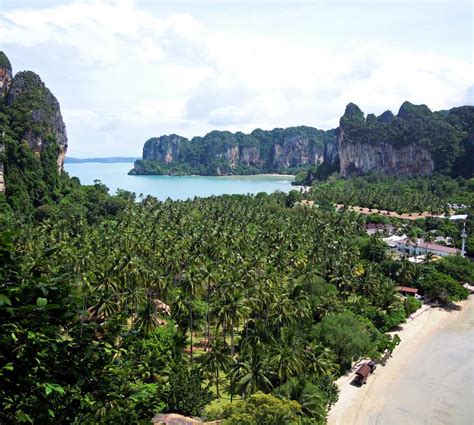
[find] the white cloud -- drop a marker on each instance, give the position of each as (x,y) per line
(164,74)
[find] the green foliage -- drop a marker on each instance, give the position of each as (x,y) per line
(411,304)
(441,287)
(402,195)
(459,268)
(4,62)
(262,409)
(58,362)
(307,395)
(186,394)
(347,335)
(374,249)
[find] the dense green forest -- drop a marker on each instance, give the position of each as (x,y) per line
(285,297)
(403,195)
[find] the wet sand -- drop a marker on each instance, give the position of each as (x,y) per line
(428,380)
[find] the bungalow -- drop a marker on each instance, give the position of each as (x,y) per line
(406,291)
(420,247)
(372,228)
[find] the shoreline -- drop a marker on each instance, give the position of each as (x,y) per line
(366,404)
(288,176)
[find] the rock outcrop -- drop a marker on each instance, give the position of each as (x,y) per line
(163,149)
(43,123)
(32,131)
(415,142)
(5,80)
(383,158)
(225,153)
(5,74)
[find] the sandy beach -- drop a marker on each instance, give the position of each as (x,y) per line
(428,380)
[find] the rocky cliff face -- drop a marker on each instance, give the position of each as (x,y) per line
(383,158)
(43,123)
(223,153)
(5,80)
(248,156)
(297,151)
(5,74)
(415,142)
(164,149)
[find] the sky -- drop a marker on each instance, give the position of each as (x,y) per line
(124,71)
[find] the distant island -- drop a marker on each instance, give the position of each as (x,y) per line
(107,160)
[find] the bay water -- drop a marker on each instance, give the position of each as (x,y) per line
(114,176)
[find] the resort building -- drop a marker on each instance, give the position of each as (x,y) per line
(393,240)
(420,247)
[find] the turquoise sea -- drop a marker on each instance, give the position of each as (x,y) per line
(114,176)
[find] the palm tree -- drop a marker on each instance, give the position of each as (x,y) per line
(251,373)
(320,361)
(216,359)
(286,357)
(307,395)
(191,286)
(429,257)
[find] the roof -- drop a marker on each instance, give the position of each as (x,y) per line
(408,289)
(363,371)
(458,217)
(429,246)
(392,240)
(381,226)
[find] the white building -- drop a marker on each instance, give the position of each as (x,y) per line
(421,247)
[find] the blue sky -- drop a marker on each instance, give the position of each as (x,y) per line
(127,70)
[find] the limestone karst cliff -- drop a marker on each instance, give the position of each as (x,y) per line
(43,123)
(5,74)
(415,142)
(32,130)
(224,153)
(5,79)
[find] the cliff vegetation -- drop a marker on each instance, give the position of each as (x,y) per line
(225,153)
(415,142)
(34,143)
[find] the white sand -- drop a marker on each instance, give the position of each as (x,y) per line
(428,380)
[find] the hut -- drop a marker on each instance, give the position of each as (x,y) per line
(406,291)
